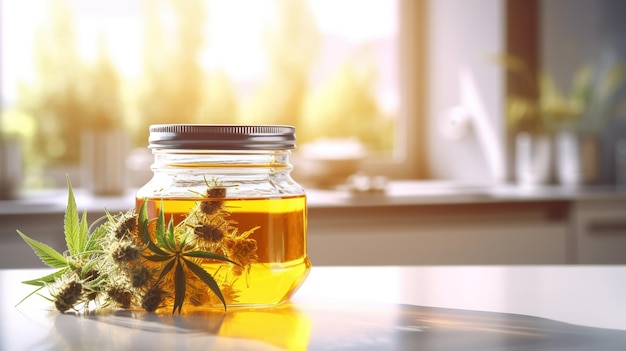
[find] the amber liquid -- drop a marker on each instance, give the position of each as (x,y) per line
(281,263)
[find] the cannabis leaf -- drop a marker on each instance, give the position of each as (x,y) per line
(70,223)
(48,255)
(77,239)
(76,231)
(177,254)
(76,236)
(46,279)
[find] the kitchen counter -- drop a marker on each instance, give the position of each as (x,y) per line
(397,193)
(423,222)
(358,308)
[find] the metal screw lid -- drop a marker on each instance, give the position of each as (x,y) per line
(222,137)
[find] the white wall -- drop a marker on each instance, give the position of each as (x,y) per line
(464,33)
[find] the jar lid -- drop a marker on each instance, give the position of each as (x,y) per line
(221,137)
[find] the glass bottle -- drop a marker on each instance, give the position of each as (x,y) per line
(228,189)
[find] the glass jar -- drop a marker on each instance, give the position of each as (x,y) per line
(228,189)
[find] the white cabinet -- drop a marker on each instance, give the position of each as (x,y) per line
(600,231)
(493,233)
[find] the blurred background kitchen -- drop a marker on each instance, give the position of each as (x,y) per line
(429,131)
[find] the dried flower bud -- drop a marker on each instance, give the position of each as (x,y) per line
(241,250)
(153,298)
(210,207)
(209,233)
(140,276)
(216,193)
(126,253)
(127,228)
(91,275)
(131,224)
(120,296)
(68,296)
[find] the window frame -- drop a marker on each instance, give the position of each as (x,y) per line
(408,160)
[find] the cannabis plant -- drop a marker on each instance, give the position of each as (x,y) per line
(125,260)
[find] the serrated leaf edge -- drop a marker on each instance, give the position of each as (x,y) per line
(47,254)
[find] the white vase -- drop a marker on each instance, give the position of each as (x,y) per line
(533,159)
(576,158)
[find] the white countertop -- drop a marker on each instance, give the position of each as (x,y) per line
(358,308)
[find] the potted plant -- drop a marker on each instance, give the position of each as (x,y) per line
(579,137)
(573,119)
(529,125)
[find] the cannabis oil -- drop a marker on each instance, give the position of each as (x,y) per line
(227,190)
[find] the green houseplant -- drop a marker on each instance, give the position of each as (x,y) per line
(571,119)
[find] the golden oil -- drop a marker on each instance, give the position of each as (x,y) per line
(276,226)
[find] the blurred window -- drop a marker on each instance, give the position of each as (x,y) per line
(331,68)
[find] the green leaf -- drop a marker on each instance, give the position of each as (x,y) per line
(171,240)
(46,279)
(144,233)
(48,255)
(207,279)
(180,286)
(41,283)
(157,250)
(209,255)
(160,228)
(71,221)
(168,267)
(29,295)
(158,258)
(83,233)
(94,240)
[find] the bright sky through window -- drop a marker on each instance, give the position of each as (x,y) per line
(234,36)
(328,67)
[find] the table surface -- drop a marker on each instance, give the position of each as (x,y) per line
(358,308)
